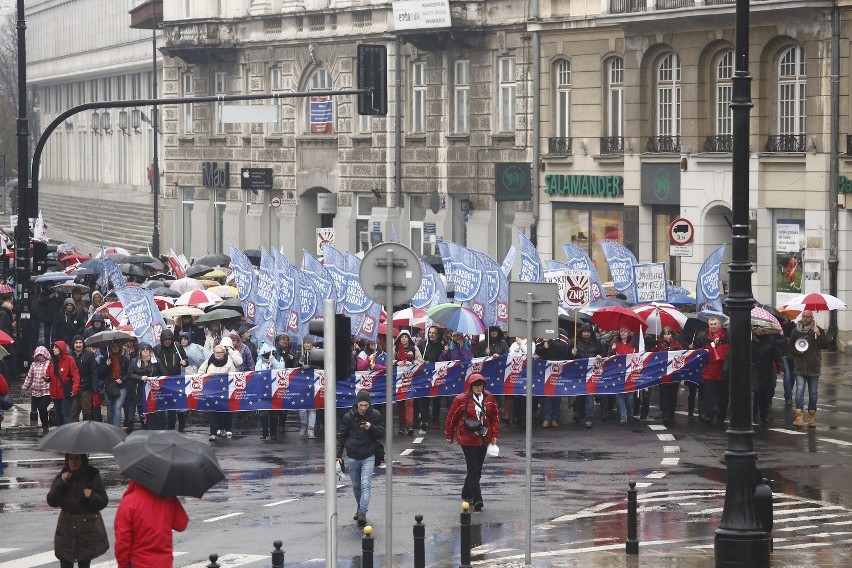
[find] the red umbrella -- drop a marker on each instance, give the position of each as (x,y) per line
(658,315)
(6,289)
(73,258)
(816,302)
(198,299)
(5,338)
(616,317)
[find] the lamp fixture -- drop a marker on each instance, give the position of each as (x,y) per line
(95,122)
(123,120)
(136,119)
(466,204)
(106,122)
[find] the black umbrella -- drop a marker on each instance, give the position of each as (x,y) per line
(253,256)
(152,284)
(146,260)
(117,257)
(197,270)
(164,291)
(131,270)
(217,315)
(215,259)
(168,463)
(691,328)
(85,437)
(106,337)
(229,304)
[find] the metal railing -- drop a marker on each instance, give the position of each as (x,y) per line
(672,4)
(559,145)
(719,143)
(612,145)
(626,6)
(663,144)
(785,143)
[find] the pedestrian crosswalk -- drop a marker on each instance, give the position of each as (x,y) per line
(14,558)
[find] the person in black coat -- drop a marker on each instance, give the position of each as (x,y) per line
(360,434)
(185,324)
(551,350)
(765,364)
(587,346)
(172,360)
(89,380)
(68,323)
(142,367)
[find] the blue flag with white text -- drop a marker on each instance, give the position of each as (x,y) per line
(432,290)
(532,269)
(142,313)
(620,261)
(708,286)
(245,280)
(364,312)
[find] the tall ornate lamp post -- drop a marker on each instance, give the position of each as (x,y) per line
(741,540)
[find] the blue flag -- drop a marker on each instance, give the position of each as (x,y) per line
(708,286)
(508,262)
(287,306)
(463,271)
(579,260)
(496,292)
(393,236)
(142,313)
(620,261)
(531,265)
(363,311)
(111,273)
(245,280)
(432,290)
(335,262)
(309,306)
(320,277)
(266,298)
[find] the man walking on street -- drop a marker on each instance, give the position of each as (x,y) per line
(360,433)
(88,368)
(805,345)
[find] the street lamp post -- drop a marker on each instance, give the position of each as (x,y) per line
(155,122)
(26,203)
(740,540)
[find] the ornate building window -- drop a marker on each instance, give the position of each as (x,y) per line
(507,94)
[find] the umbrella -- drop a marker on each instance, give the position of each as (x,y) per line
(78,270)
(93,264)
(131,270)
(209,283)
(179,311)
(214,259)
(118,257)
(106,337)
(408,316)
(73,258)
(691,328)
(616,317)
(117,250)
(216,315)
(681,300)
(198,298)
(152,284)
(168,463)
(146,259)
(53,277)
(85,437)
(197,270)
(164,302)
(224,291)
(6,289)
(184,285)
(215,273)
(660,315)
(764,321)
(815,302)
(456,317)
(606,303)
(70,287)
(166,291)
(5,338)
(113,312)
(229,304)
(705,315)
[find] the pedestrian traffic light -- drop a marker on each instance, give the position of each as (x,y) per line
(373,76)
(39,259)
(342,345)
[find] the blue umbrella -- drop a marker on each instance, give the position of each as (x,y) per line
(681,300)
(705,315)
(53,277)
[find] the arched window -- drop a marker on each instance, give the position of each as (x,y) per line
(668,95)
(563,99)
(724,89)
(791,92)
(319,110)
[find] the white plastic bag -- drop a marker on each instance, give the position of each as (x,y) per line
(493,451)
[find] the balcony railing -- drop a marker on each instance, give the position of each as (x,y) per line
(786,143)
(560,145)
(719,143)
(663,145)
(672,4)
(718,2)
(612,145)
(626,6)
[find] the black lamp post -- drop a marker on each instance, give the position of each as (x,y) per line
(741,540)
(26,204)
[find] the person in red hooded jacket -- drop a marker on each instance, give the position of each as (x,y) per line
(714,387)
(64,381)
(480,407)
(143,528)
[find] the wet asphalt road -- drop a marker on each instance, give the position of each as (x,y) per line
(580,479)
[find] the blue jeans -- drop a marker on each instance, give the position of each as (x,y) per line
(308,418)
(812,391)
(114,407)
(361,474)
(550,408)
(62,407)
(625,406)
(789,380)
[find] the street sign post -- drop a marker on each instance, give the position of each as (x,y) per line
(390,273)
(533,303)
(681,231)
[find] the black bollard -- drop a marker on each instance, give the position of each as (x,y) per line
(213,563)
(763,507)
(367,544)
(465,535)
(277,555)
(632,544)
(419,542)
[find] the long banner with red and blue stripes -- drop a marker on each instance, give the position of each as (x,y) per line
(295,389)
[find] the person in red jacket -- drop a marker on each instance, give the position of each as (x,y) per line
(473,419)
(64,381)
(143,528)
(714,387)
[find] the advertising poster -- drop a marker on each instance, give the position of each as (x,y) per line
(789,244)
(322,112)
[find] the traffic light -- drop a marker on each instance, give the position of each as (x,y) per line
(342,345)
(373,76)
(39,258)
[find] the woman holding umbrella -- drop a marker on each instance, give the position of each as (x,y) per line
(80,533)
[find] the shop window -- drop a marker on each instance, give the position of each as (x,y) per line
(587,228)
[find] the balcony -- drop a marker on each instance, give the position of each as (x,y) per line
(720,143)
(202,42)
(663,145)
(785,143)
(560,145)
(612,145)
(627,6)
(674,4)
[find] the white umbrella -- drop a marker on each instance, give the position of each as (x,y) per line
(184,285)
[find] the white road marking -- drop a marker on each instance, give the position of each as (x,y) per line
(407,452)
(643,484)
(657,427)
(670,461)
(33,560)
(799,545)
(222,517)
(808,509)
(57,459)
(671,449)
(838,523)
(419,439)
(322,491)
(666,437)
(656,475)
(797,528)
(786,431)
(833,441)
(5,550)
(706,511)
(284,502)
(13,482)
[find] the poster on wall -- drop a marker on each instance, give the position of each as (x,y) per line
(789,245)
(812,277)
(322,111)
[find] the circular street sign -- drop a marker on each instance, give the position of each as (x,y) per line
(275,202)
(405,277)
(681,231)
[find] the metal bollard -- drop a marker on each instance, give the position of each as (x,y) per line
(763,506)
(419,542)
(213,563)
(465,535)
(1,461)
(632,544)
(367,545)
(277,555)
